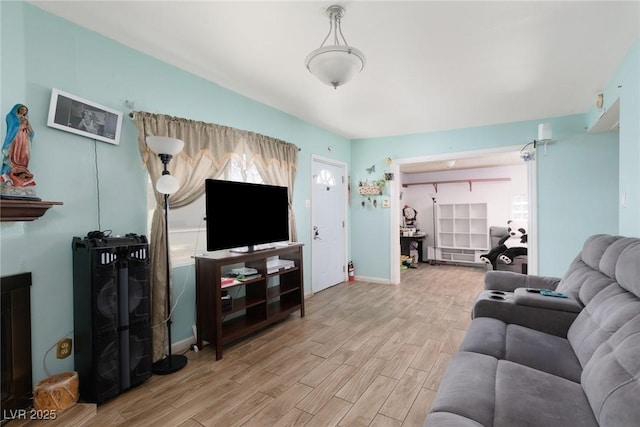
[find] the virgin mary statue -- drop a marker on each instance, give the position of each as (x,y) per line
(14,170)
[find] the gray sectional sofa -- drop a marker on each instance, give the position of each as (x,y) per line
(512,371)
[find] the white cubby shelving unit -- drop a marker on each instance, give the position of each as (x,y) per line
(463,232)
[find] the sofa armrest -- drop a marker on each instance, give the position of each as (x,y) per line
(519,265)
(533,298)
(509,281)
(503,306)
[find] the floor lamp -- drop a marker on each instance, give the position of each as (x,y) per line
(435,231)
(166,148)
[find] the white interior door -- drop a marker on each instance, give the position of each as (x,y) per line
(328,217)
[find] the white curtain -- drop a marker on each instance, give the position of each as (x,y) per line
(276,162)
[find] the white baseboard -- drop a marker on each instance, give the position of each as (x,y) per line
(373,280)
(183,345)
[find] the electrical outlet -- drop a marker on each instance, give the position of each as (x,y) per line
(64,348)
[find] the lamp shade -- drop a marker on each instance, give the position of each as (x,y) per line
(165,145)
(544,132)
(167,184)
(335,65)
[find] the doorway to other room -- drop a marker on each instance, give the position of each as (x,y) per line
(495,184)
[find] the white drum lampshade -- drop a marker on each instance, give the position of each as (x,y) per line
(544,132)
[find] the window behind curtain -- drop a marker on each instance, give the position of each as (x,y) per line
(519,207)
(187,228)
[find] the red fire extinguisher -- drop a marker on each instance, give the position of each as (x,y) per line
(352,274)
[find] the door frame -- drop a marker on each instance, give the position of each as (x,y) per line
(395,189)
(345,196)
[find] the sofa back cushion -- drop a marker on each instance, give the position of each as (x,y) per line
(611,308)
(606,339)
(628,267)
(600,319)
(593,269)
(611,378)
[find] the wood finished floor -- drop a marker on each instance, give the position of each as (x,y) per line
(365,355)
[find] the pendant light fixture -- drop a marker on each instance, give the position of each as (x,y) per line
(338,63)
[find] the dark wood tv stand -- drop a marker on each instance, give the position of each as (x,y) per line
(267,299)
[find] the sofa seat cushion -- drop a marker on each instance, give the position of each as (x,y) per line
(528,347)
(480,389)
(528,397)
(468,387)
(447,419)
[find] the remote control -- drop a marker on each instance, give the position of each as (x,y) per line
(548,293)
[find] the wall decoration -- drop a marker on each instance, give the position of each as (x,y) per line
(77,115)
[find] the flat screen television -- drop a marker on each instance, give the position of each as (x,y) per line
(240,216)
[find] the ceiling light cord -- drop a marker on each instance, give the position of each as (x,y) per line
(95,158)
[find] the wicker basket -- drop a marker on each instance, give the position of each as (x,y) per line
(57,392)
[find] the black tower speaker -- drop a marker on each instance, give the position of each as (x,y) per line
(112,315)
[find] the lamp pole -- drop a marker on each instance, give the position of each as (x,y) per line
(435,231)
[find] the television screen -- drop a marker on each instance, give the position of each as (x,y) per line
(241,214)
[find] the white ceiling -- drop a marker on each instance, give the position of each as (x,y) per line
(430,65)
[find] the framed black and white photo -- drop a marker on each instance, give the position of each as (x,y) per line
(83,117)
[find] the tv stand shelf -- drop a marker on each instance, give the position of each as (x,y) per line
(267,299)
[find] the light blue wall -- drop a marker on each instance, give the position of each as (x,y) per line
(41,52)
(577,194)
(625,85)
(589,185)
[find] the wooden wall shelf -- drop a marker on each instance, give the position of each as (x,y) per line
(454,181)
(23,210)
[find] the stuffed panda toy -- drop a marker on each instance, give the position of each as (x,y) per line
(510,246)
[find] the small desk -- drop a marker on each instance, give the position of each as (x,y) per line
(405,244)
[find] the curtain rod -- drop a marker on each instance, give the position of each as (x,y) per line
(131,116)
